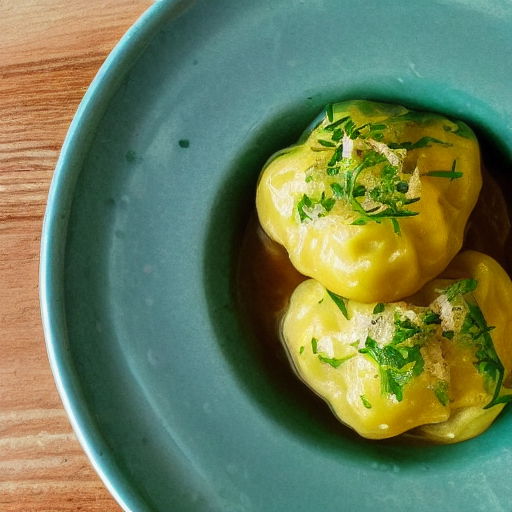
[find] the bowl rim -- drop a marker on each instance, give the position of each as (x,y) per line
(53,242)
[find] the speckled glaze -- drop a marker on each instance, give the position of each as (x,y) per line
(155,182)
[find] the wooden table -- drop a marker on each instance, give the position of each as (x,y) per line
(49,52)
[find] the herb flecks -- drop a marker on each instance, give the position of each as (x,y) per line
(461,287)
(421,143)
(309,208)
(475,332)
(365,401)
(335,362)
(397,365)
(452,174)
(441,392)
(367,174)
(403,343)
(341,302)
(379,308)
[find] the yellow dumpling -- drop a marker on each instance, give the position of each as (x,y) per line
(430,362)
(373,201)
(469,417)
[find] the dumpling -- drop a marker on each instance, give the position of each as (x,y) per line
(373,201)
(437,362)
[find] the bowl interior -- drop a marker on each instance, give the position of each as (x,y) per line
(189,408)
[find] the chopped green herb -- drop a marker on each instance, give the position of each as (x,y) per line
(390,192)
(452,174)
(333,361)
(402,186)
(430,318)
(441,392)
(340,302)
(421,143)
(314,345)
(379,308)
(459,288)
(404,329)
(309,178)
(338,190)
(337,135)
(330,112)
(336,157)
(301,350)
(326,143)
(337,123)
(397,366)
(504,399)
(365,401)
(359,191)
(327,202)
(477,332)
(305,202)
(462,130)
(351,130)
(445,174)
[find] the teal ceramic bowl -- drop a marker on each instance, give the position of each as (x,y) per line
(166,389)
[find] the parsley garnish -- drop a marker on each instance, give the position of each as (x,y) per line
(365,401)
(441,392)
(305,202)
(388,197)
(397,365)
(340,302)
(431,318)
(404,329)
(326,143)
(477,333)
(330,112)
(459,288)
(333,361)
(421,143)
(452,174)
(379,308)
(314,345)
(301,350)
(462,130)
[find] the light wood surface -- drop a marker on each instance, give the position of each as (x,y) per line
(49,52)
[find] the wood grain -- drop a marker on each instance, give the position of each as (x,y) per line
(49,52)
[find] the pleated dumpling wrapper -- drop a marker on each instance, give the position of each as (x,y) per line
(437,363)
(373,201)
